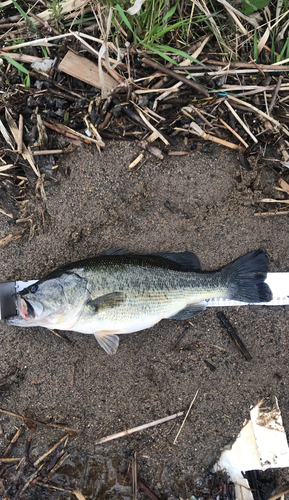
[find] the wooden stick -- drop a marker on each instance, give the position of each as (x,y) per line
(9,460)
(241,121)
(15,132)
(144,488)
(271,200)
(69,135)
(278,495)
(20,136)
(177,76)
(256,110)
(234,336)
(135,162)
(199,114)
(139,428)
(49,152)
(259,214)
(160,136)
(33,420)
(234,132)
(186,416)
(195,129)
(248,65)
(6,213)
(10,445)
(40,459)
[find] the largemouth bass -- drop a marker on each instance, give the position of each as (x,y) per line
(119,292)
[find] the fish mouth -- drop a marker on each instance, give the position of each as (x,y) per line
(25,308)
(25,312)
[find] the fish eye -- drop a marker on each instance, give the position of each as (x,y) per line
(34,288)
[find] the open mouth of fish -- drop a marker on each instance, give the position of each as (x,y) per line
(26,309)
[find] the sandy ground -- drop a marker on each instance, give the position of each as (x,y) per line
(204,203)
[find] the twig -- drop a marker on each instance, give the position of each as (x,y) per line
(12,442)
(241,121)
(136,161)
(179,338)
(177,76)
(271,200)
(200,115)
(77,493)
(260,214)
(256,110)
(6,213)
(15,132)
(65,428)
(40,459)
(50,152)
(144,488)
(274,97)
(231,330)
(69,135)
(134,476)
(56,466)
(9,460)
(234,132)
(240,64)
(19,141)
(195,129)
(151,149)
(139,428)
(186,416)
(153,128)
(280,494)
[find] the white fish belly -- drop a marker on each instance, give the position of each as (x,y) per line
(129,318)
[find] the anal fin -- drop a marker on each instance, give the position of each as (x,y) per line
(189,311)
(109,342)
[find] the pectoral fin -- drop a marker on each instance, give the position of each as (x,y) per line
(108,342)
(189,311)
(107,301)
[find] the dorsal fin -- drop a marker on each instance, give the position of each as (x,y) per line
(117,251)
(188,260)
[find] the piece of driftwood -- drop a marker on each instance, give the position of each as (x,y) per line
(85,70)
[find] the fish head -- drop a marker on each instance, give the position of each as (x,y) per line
(54,301)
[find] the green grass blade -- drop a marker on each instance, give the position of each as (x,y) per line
(168,28)
(171,12)
(17,65)
(23,14)
(20,68)
(167,48)
(126,21)
(27,81)
(156,51)
(285,47)
(44,50)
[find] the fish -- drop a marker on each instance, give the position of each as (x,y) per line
(119,292)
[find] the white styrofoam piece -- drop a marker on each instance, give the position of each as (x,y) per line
(261,444)
(270,436)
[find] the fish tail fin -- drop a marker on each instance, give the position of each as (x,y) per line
(246,278)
